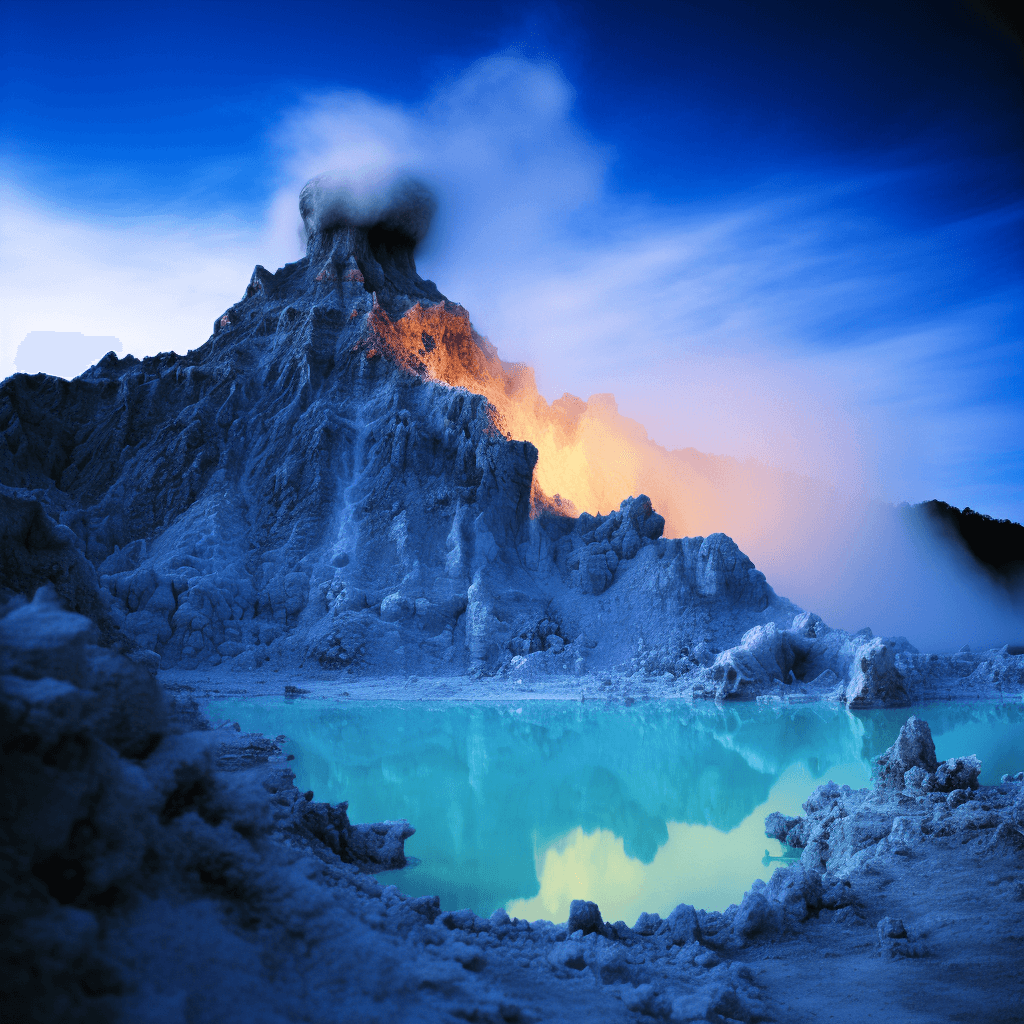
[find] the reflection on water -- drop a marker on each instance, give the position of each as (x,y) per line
(531,805)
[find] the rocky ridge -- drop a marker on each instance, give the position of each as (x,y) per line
(318,486)
(301,489)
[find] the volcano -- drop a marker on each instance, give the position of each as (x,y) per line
(333,482)
(334,486)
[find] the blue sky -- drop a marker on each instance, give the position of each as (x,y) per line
(787,231)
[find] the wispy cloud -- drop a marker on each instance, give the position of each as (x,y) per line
(798,324)
(156,282)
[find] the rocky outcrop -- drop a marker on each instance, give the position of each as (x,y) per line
(143,876)
(323,486)
(915,796)
(914,749)
(319,484)
(116,829)
(847,836)
(35,552)
(810,657)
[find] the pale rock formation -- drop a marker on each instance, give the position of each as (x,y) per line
(319,488)
(309,486)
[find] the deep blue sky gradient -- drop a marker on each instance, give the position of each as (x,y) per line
(154,108)
(138,100)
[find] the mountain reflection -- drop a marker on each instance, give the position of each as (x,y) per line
(531,805)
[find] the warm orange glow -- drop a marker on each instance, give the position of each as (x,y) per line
(593,457)
(852,560)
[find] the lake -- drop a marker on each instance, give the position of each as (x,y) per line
(530,805)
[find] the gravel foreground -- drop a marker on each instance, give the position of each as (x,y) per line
(156,869)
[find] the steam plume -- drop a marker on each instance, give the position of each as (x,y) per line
(855,561)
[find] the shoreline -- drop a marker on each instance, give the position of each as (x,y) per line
(322,685)
(164,867)
(914,919)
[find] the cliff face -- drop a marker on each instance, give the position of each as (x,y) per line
(320,481)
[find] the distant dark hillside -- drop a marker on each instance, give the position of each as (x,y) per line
(996,543)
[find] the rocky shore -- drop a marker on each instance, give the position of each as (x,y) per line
(159,870)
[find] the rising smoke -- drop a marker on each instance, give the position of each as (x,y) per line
(856,561)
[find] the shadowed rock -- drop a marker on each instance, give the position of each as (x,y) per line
(320,484)
(308,486)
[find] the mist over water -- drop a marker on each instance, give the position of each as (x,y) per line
(884,567)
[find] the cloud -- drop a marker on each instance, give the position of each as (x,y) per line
(156,282)
(498,145)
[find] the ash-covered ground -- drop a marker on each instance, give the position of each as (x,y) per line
(307,498)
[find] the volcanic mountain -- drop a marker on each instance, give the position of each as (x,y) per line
(332,481)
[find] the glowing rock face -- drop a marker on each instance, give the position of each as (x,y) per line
(345,473)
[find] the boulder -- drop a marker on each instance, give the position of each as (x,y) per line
(584,916)
(914,748)
(784,828)
(958,773)
(647,924)
(875,679)
(683,926)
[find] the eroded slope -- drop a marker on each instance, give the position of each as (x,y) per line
(319,481)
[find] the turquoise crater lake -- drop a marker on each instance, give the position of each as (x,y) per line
(530,805)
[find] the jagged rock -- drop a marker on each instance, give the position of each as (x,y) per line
(755,915)
(117,830)
(614,967)
(957,797)
(683,925)
(379,846)
(320,483)
(784,828)
(765,656)
(958,773)
(584,916)
(914,748)
(316,481)
(647,924)
(55,670)
(826,796)
(810,658)
(797,889)
(875,679)
(37,551)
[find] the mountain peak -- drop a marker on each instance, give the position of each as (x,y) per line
(369,235)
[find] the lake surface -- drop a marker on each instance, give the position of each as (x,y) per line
(530,805)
